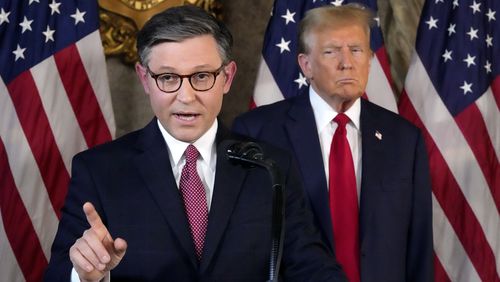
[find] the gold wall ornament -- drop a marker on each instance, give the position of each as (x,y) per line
(121,19)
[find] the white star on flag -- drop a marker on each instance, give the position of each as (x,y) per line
(4,17)
(78,16)
(283,45)
(49,34)
(475,7)
(337,2)
(26,24)
(491,15)
(470,60)
(301,80)
(466,87)
(432,23)
(288,17)
(451,29)
(489,40)
(487,66)
(19,52)
(472,33)
(447,55)
(54,7)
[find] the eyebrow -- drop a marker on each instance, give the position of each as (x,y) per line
(198,68)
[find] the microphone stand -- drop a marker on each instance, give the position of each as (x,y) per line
(250,154)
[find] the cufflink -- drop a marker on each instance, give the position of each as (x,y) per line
(378,135)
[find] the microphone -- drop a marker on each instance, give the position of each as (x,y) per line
(246,153)
(250,154)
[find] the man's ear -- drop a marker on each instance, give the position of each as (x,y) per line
(305,65)
(229,73)
(142,74)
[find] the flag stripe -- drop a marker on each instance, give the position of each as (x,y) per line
(92,56)
(25,172)
(461,217)
(495,87)
(439,272)
(449,250)
(449,140)
(81,96)
(381,54)
(18,226)
(471,123)
(458,212)
(266,90)
(62,119)
(35,125)
(375,88)
(9,268)
(491,115)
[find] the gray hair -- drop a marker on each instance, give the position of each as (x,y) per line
(178,24)
(334,17)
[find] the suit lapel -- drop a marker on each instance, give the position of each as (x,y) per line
(303,135)
(228,183)
(374,139)
(154,166)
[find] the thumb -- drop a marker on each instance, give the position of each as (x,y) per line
(120,248)
(117,250)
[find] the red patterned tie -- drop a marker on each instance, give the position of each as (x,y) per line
(344,201)
(195,199)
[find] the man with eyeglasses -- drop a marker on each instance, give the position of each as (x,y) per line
(164,203)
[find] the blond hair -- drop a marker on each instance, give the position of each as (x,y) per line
(333,17)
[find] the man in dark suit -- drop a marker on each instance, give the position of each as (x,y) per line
(374,205)
(182,210)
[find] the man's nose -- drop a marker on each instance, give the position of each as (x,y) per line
(345,61)
(186,93)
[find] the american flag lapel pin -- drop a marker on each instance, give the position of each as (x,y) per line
(378,135)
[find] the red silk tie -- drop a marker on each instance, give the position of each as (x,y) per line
(344,201)
(195,199)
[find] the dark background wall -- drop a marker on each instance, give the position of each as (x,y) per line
(247,20)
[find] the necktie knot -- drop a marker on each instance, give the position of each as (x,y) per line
(341,119)
(191,154)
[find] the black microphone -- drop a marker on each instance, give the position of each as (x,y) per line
(246,153)
(250,154)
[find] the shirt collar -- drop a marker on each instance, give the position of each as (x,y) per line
(205,144)
(324,114)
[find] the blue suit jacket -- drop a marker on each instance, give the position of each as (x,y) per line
(131,184)
(395,201)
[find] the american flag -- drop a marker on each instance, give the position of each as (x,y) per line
(453,95)
(279,74)
(54,102)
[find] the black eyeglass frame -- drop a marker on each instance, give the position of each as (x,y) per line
(188,76)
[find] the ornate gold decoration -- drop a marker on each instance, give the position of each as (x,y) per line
(121,19)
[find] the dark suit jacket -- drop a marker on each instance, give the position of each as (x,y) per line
(131,184)
(395,201)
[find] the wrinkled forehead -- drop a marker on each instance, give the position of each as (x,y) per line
(356,31)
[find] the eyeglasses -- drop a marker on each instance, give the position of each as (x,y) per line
(200,81)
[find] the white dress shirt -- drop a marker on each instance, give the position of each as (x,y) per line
(324,115)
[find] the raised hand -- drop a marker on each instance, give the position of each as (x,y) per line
(96,253)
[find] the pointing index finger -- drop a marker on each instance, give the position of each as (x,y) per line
(94,220)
